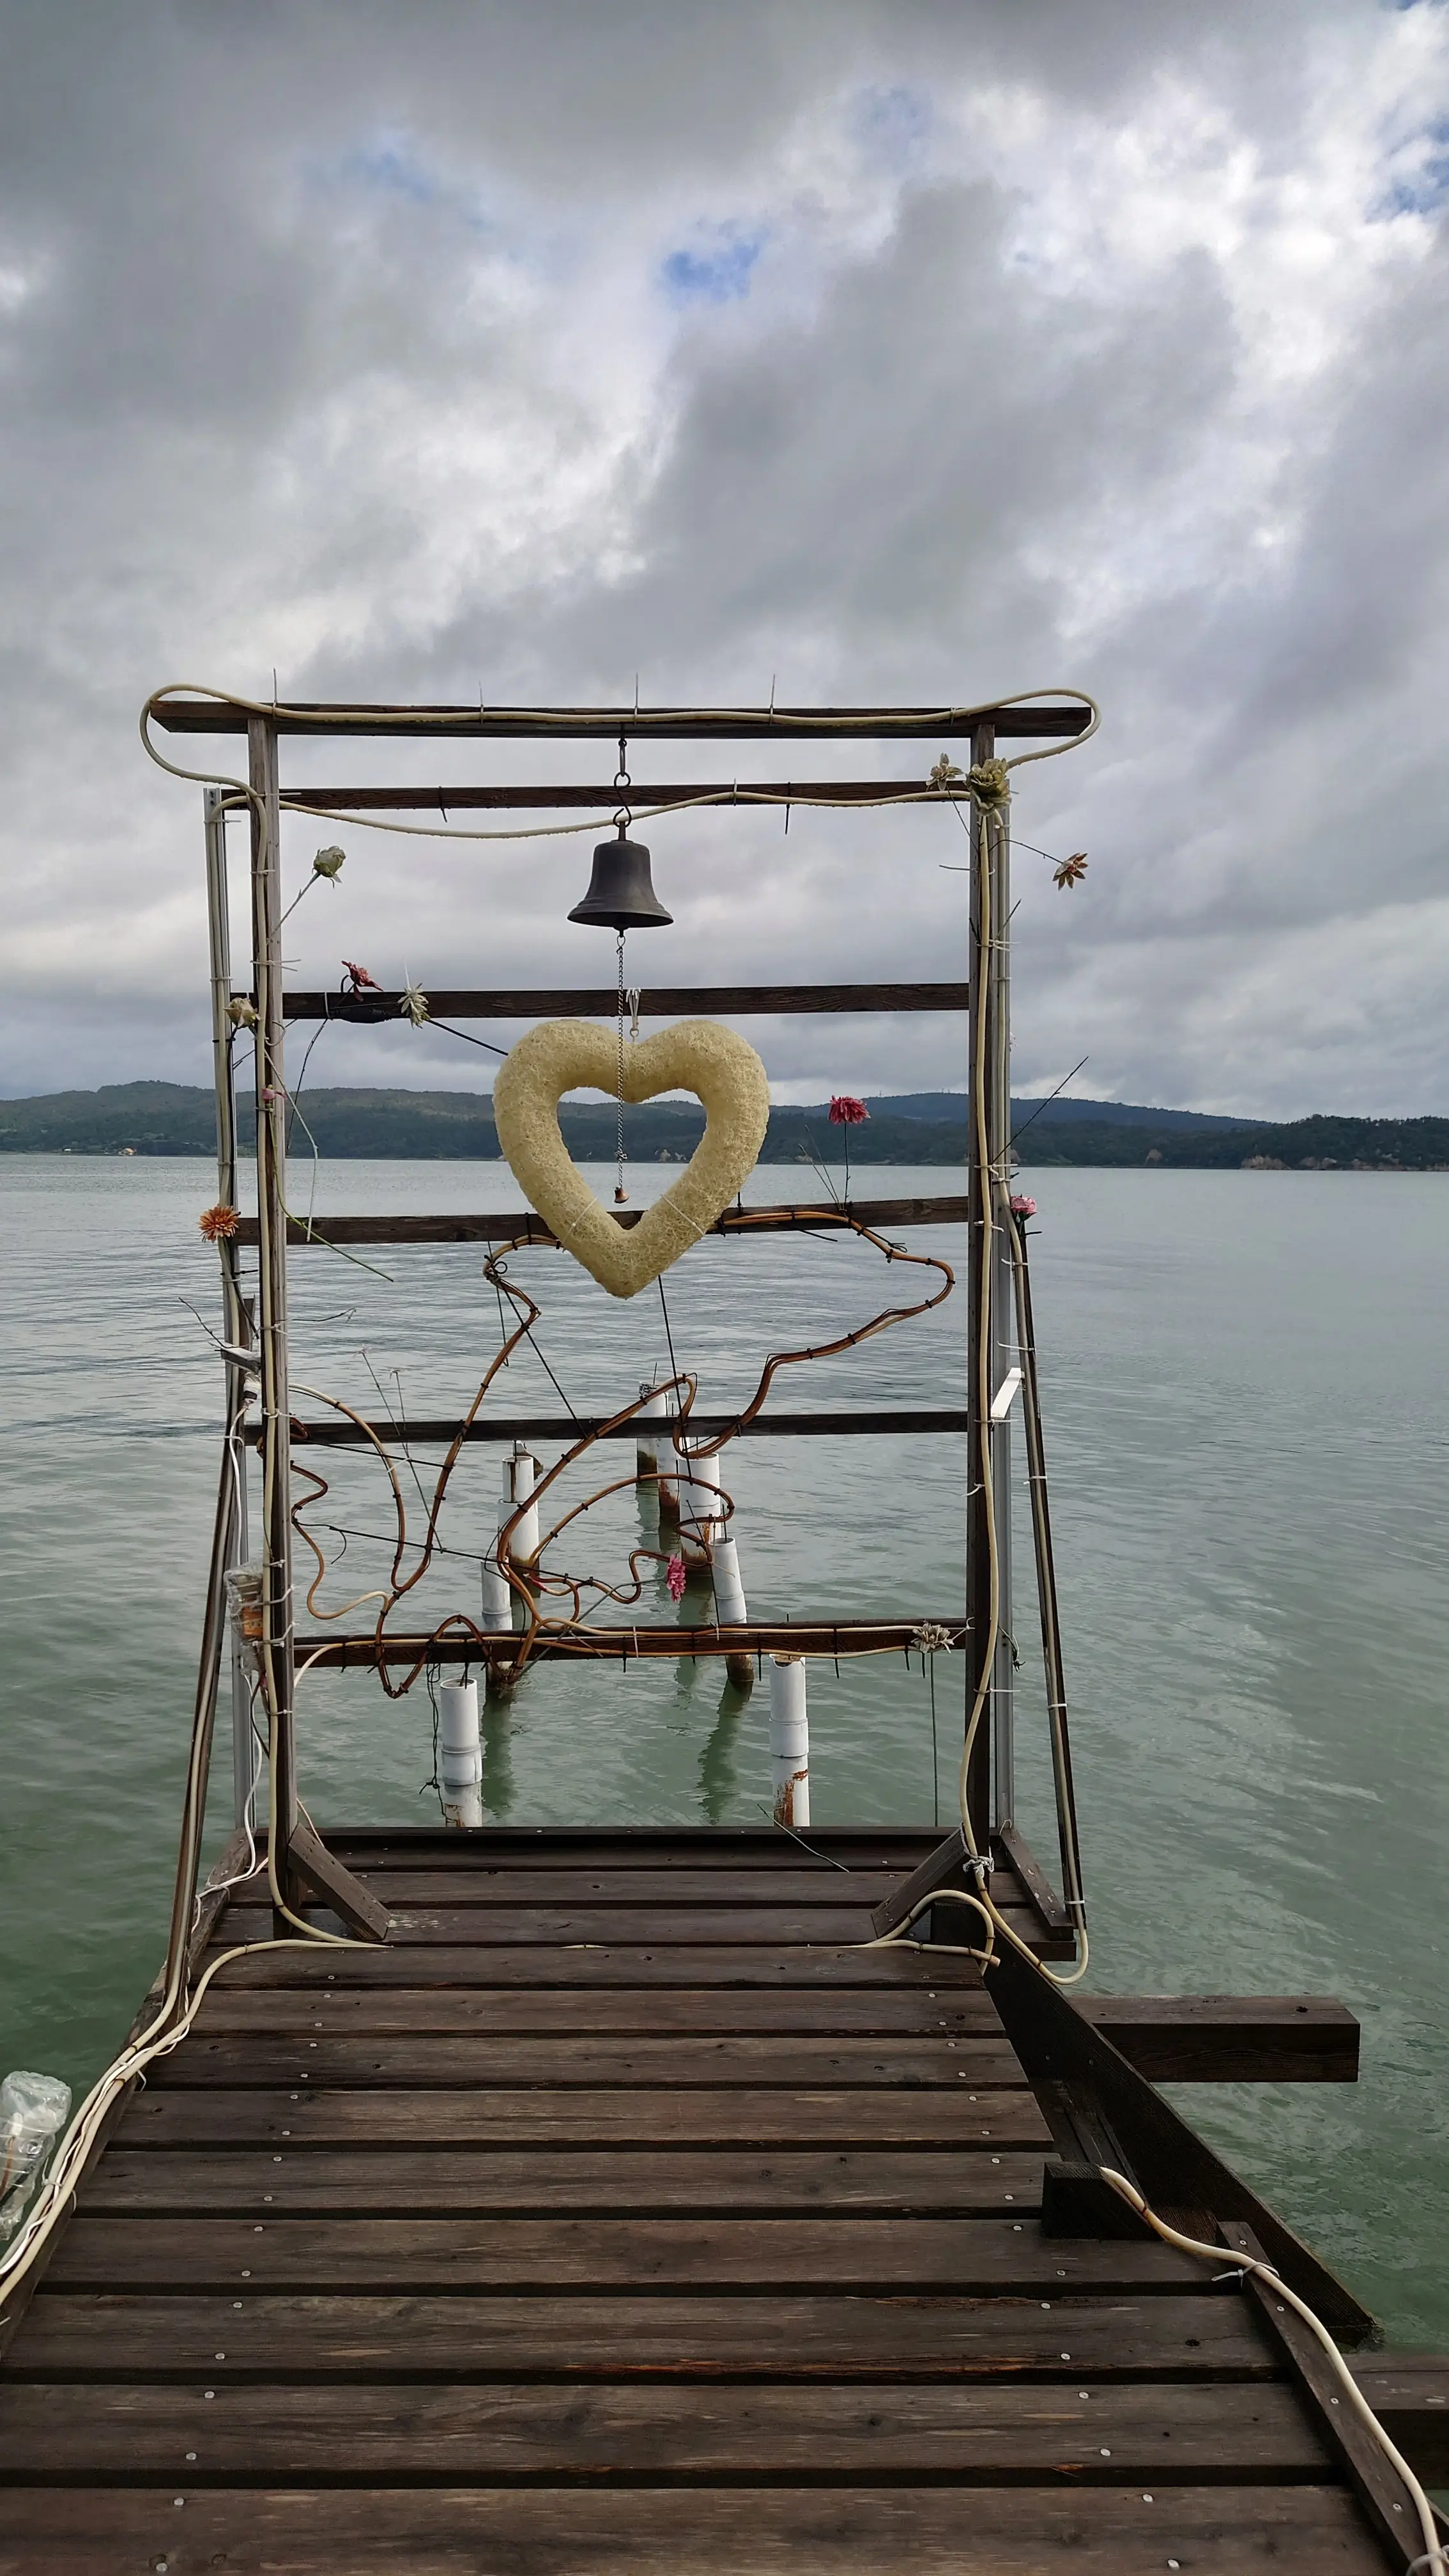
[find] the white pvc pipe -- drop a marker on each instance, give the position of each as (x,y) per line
(497,1616)
(729,1590)
(519,1479)
(646,1457)
(789,1741)
(700,1520)
(460,1753)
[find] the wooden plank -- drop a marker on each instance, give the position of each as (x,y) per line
(1175,2168)
(213,2341)
(1386,2501)
(919,1422)
(558,797)
(1409,2393)
(887,2012)
(842,2530)
(623,1847)
(429,2060)
(487,1885)
(608,1966)
(635,2119)
(552,1926)
(419,2436)
(439,2183)
(671,1642)
(658,1002)
(310,719)
(923,2255)
(644,1926)
(1230,2039)
(809,1216)
(1226,2039)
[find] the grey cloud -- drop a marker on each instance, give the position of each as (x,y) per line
(264,399)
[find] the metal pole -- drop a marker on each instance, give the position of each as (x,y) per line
(988,1039)
(1003,1320)
(277,1621)
(235,1319)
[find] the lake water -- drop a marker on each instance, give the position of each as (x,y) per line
(1246,1383)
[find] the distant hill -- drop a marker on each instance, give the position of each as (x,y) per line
(1113,1113)
(924,1127)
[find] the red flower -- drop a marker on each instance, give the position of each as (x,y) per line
(359,980)
(674,1577)
(1023,1207)
(845,1112)
(219,1223)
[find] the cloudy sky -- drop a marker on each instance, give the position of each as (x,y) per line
(872,350)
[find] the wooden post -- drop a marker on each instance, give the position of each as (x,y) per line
(277,1625)
(236,1325)
(303,1862)
(986,1044)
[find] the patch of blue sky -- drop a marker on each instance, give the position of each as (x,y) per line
(1420,183)
(893,124)
(390,167)
(715,268)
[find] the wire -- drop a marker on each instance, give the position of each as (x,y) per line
(558,720)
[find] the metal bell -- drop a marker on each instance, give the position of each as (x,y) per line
(621,892)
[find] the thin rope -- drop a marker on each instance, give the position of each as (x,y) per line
(620,1193)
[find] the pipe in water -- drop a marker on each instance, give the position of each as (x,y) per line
(460,1753)
(789,1741)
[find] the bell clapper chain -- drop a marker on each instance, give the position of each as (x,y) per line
(620,1193)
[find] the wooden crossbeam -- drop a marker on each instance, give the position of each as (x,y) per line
(648,1641)
(640,800)
(311,719)
(662,1002)
(426,1432)
(511,1224)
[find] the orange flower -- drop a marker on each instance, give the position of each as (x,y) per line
(220,1223)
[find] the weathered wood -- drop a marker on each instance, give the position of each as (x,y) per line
(844,2530)
(751,1889)
(423,2060)
(626,1848)
(1230,2039)
(662,1002)
(1409,2393)
(607,1964)
(1040,1894)
(924,2255)
(1223,2039)
(311,719)
(418,2436)
(889,2013)
(920,1421)
(446,2183)
(1175,2168)
(639,2118)
(1168,2336)
(414,1926)
(1386,2501)
(808,1217)
(668,1643)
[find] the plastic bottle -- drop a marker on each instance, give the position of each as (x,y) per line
(33,2111)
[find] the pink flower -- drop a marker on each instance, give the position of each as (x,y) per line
(674,1577)
(1023,1207)
(845,1112)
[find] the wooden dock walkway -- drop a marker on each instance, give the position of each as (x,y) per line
(624,2217)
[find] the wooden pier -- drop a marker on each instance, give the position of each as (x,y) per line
(623,2213)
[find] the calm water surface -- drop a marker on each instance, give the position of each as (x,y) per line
(1247,1389)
